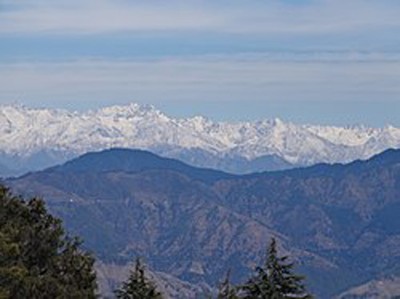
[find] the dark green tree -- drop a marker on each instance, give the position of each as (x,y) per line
(37,259)
(275,279)
(138,286)
(226,290)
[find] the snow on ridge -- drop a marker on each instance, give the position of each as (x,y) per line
(25,131)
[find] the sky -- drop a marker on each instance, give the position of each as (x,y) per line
(305,61)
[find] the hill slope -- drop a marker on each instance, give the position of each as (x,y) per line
(340,222)
(133,161)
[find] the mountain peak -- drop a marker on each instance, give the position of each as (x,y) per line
(132,161)
(131,109)
(26,132)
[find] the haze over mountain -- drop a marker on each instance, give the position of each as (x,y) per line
(33,139)
(339,222)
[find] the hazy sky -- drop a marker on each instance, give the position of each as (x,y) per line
(326,61)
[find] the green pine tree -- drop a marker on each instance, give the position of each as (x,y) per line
(37,259)
(226,290)
(138,286)
(275,279)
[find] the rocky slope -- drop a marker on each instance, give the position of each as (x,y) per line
(37,138)
(339,222)
(110,275)
(385,288)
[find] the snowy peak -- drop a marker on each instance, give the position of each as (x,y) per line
(127,111)
(26,131)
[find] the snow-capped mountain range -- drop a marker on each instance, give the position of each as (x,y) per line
(36,138)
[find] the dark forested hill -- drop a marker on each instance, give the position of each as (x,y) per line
(340,222)
(133,161)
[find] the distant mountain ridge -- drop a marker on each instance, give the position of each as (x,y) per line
(38,138)
(339,222)
(133,161)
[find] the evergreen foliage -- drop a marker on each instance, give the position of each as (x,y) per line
(37,259)
(275,279)
(226,289)
(138,286)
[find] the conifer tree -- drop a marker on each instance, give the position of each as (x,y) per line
(37,259)
(138,286)
(275,279)
(226,290)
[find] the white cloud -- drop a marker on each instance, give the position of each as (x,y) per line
(213,79)
(235,16)
(99,16)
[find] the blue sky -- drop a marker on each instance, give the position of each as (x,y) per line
(315,61)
